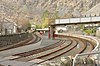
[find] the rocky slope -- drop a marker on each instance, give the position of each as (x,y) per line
(95,11)
(25,10)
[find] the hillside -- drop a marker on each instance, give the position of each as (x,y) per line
(94,11)
(40,11)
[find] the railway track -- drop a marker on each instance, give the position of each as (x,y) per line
(53,57)
(45,53)
(57,53)
(36,51)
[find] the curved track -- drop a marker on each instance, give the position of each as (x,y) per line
(40,49)
(57,51)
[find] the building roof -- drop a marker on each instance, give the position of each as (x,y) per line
(45,29)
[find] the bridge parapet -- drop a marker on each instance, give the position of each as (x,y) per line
(78,20)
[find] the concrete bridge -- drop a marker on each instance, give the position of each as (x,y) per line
(83,20)
(73,21)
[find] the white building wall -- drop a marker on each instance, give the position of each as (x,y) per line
(98,33)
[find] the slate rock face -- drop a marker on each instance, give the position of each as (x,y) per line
(36,8)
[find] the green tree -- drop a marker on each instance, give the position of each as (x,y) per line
(45,19)
(88,31)
(38,26)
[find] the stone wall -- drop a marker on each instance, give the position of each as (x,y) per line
(12,39)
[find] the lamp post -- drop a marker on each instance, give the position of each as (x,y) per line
(49,33)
